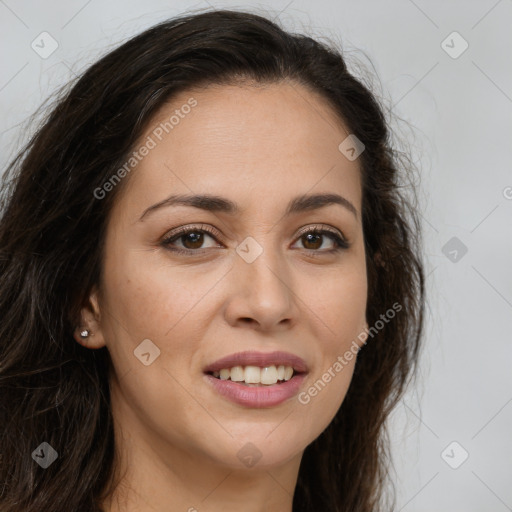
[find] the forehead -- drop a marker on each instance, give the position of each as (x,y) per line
(270,141)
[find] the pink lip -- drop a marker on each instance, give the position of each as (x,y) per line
(261,359)
(257,396)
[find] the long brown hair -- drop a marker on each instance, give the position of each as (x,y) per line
(52,231)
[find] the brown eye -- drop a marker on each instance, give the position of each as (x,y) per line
(192,240)
(313,240)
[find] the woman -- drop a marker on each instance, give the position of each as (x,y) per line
(197,246)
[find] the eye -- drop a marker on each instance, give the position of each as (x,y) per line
(313,239)
(192,239)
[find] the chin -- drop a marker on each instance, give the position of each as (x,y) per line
(259,449)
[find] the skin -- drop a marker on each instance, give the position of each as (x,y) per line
(176,437)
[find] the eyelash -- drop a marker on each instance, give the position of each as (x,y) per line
(340,243)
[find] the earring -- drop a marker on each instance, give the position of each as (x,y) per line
(84,334)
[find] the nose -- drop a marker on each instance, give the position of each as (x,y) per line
(261,293)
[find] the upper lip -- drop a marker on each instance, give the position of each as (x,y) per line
(261,359)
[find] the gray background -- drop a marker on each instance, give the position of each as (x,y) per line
(458,121)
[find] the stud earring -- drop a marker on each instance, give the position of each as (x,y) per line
(84,334)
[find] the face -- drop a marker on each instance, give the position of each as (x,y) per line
(256,270)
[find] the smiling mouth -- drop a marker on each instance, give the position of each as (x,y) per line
(255,376)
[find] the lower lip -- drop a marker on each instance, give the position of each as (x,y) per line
(257,396)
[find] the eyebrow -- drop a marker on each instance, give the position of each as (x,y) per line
(215,203)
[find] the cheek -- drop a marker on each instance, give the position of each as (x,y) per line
(151,297)
(338,301)
(327,386)
(339,307)
(165,305)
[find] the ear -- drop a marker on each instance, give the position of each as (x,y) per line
(91,322)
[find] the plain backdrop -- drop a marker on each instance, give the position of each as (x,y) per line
(445,70)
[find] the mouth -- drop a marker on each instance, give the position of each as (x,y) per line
(257,379)
(255,376)
(257,368)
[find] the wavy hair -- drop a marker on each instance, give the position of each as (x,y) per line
(52,230)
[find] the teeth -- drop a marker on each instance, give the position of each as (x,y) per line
(268,375)
(237,374)
(252,375)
